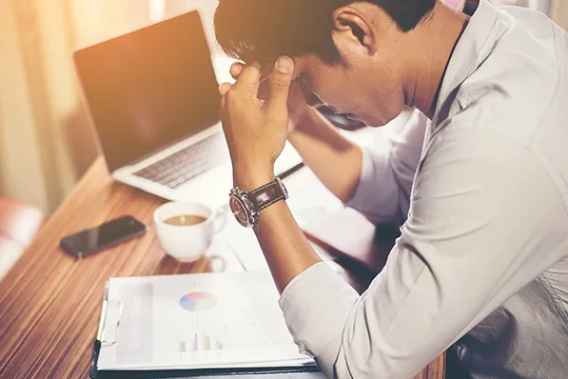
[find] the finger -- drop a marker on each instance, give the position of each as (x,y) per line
(248,80)
(236,69)
(281,81)
(225,88)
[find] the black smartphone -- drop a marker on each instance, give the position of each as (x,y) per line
(102,237)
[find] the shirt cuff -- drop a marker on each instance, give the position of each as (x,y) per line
(316,305)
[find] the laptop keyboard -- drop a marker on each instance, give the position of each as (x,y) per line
(179,168)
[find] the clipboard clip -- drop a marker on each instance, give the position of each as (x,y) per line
(109,323)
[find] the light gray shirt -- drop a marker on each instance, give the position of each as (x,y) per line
(482,190)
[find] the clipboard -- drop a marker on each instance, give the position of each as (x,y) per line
(111,318)
(304,373)
(283,373)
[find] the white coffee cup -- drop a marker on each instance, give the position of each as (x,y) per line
(187,243)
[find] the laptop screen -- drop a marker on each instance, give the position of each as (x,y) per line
(149,88)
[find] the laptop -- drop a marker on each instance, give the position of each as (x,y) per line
(153,98)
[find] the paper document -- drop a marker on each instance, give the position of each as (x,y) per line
(195,322)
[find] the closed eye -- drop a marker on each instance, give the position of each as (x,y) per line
(300,79)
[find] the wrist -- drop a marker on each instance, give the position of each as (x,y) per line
(303,121)
(249,179)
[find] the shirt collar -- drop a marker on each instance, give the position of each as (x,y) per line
(474,46)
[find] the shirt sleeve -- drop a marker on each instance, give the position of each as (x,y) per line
(485,221)
(383,191)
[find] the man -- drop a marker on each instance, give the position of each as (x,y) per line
(481,190)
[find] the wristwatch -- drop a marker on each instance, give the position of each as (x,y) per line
(246,206)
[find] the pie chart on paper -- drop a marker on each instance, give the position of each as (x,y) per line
(198,302)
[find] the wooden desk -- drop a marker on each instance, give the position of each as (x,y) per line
(50,303)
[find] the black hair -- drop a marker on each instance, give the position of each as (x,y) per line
(257,30)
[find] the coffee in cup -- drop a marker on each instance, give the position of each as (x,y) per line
(185,220)
(186,230)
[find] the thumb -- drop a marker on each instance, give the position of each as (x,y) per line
(280,82)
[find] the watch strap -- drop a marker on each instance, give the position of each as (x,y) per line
(268,194)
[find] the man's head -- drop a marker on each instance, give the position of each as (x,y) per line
(348,54)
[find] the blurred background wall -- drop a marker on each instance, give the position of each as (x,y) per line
(46,141)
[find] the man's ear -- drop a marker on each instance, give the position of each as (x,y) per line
(356,26)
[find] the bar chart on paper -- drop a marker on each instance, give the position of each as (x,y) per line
(216,325)
(201,342)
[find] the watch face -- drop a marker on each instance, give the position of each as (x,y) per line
(239,211)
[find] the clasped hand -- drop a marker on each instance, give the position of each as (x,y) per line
(256,129)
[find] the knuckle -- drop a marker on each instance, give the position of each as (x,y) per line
(250,71)
(231,96)
(279,82)
(254,68)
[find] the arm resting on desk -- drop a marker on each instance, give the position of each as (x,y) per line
(467,247)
